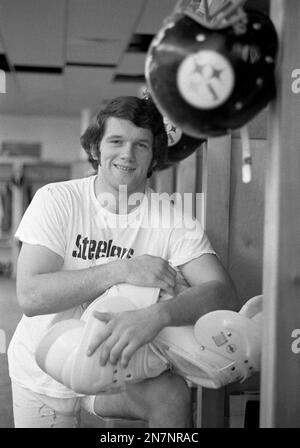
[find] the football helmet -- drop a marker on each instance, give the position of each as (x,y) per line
(231,343)
(180,145)
(211,77)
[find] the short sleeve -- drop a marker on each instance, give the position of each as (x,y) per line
(45,221)
(188,241)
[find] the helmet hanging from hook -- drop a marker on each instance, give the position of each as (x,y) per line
(210,69)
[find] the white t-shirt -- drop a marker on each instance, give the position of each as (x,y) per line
(67,218)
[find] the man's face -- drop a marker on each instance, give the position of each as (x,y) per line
(125,155)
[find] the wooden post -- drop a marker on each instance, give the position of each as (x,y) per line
(212,404)
(216,188)
(280,382)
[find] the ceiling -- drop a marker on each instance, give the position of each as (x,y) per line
(62,56)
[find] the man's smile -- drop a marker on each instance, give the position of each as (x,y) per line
(124,168)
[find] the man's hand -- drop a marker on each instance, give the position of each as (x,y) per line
(125,332)
(148,270)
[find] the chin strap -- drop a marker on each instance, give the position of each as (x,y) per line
(246,155)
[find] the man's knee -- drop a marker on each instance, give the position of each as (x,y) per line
(171,393)
(161,401)
(167,400)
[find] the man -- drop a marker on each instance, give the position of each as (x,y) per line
(67,229)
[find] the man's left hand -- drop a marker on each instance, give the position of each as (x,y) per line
(125,332)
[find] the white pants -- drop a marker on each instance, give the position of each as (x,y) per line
(32,410)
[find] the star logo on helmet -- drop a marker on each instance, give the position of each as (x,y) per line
(205,79)
(174,135)
(216,73)
(173,132)
(170,139)
(208,73)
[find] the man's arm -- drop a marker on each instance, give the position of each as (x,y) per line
(43,288)
(210,289)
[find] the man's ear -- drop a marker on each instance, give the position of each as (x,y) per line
(95,152)
(153,164)
(150,169)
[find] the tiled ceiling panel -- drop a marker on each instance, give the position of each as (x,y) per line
(34,85)
(97,53)
(109,19)
(86,51)
(154,14)
(122,88)
(132,64)
(33,31)
(86,86)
